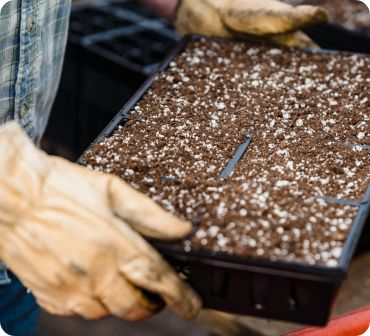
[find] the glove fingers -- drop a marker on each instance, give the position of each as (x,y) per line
(88,307)
(293,39)
(77,304)
(124,300)
(269,17)
(143,214)
(52,308)
(144,268)
(57,288)
(303,16)
(155,276)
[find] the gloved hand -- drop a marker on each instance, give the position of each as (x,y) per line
(266,20)
(72,236)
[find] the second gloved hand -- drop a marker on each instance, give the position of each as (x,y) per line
(73,237)
(265,20)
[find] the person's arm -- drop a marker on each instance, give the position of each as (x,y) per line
(165,8)
(73,237)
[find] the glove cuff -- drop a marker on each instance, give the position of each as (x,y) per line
(177,11)
(22,170)
(199,17)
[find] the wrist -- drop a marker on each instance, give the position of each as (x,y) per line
(202,17)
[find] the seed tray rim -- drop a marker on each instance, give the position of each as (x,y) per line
(274,267)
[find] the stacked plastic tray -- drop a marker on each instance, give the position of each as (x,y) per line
(333,37)
(112,48)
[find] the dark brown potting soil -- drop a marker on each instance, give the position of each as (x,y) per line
(308,118)
(351,14)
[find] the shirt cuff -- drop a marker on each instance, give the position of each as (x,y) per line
(4,278)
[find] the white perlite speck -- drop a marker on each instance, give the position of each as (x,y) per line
(213,231)
(331,263)
(336,252)
(242,212)
(280,230)
(220,106)
(361,135)
(282,183)
(290,165)
(299,122)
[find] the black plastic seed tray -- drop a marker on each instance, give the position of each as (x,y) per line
(282,290)
(330,36)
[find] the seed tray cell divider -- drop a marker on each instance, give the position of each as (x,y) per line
(280,289)
(227,171)
(367,147)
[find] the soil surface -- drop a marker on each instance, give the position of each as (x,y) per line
(307,117)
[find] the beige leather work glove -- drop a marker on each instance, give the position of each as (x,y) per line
(72,236)
(262,20)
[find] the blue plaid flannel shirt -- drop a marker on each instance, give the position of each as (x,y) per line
(33,36)
(32,43)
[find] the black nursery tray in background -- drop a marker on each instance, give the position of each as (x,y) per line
(283,290)
(113,46)
(330,36)
(348,28)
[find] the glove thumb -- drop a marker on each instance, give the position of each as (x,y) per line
(143,214)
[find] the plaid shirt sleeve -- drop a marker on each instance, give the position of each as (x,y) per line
(33,37)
